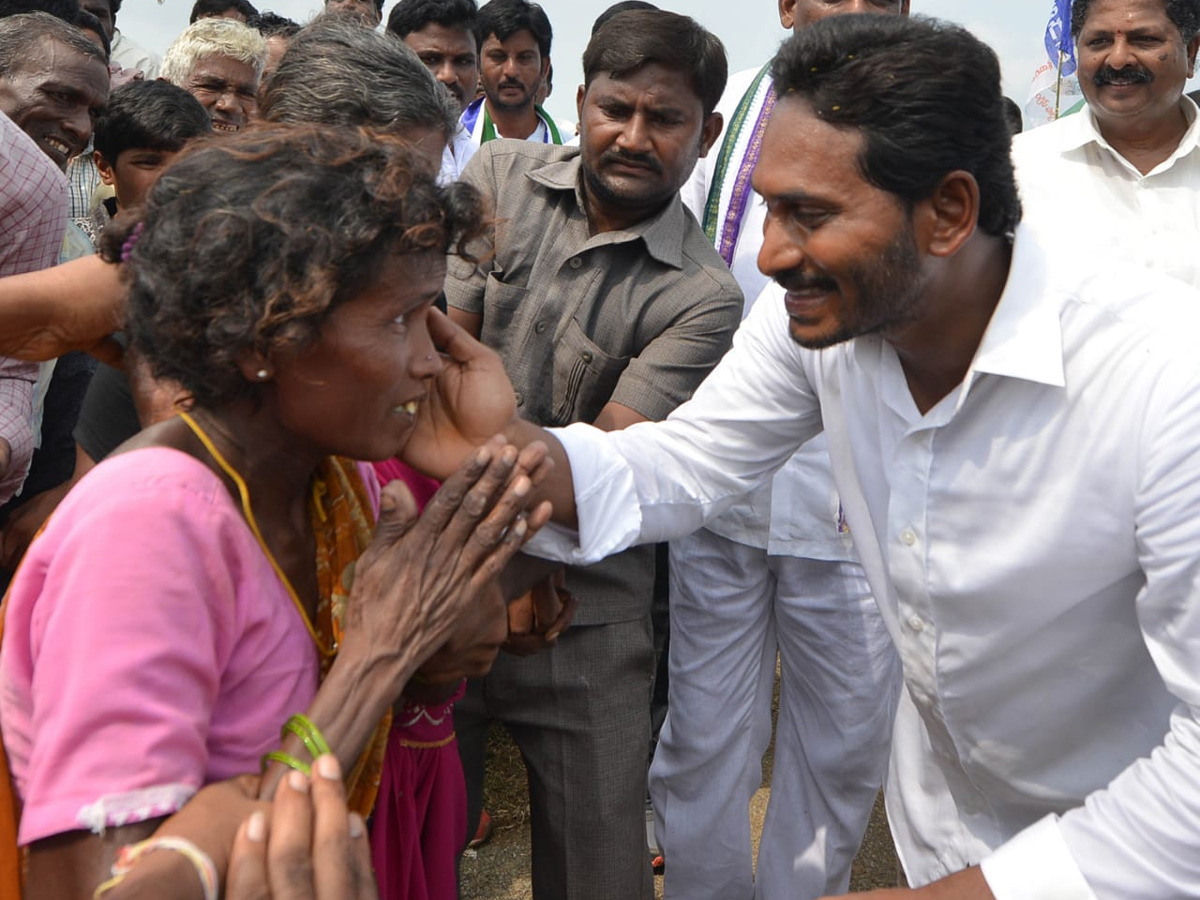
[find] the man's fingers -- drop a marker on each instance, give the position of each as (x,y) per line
(246,878)
(289,853)
(360,856)
(453,340)
(565,616)
(333,873)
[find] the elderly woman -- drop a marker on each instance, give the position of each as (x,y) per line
(199,587)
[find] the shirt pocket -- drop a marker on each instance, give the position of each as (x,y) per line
(501,304)
(584,377)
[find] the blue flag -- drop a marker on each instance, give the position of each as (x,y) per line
(1058,37)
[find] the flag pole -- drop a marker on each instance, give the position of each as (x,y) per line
(1058,86)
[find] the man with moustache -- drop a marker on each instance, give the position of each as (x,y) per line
(1017,447)
(514,59)
(442,34)
(607,306)
(775,577)
(1122,178)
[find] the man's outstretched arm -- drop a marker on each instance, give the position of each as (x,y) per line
(75,306)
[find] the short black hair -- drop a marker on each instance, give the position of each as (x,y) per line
(1185,14)
(504,18)
(21,38)
(86,21)
(638,38)
(408,16)
(204,8)
(60,9)
(149,115)
(270,24)
(1012,114)
(924,94)
(617,8)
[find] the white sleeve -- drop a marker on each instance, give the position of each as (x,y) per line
(659,480)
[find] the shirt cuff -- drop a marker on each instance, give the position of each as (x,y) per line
(1036,865)
(606,501)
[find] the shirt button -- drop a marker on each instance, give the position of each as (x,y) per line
(916,623)
(586,356)
(576,262)
(539,327)
(520,399)
(908,536)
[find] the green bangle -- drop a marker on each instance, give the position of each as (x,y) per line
(290,761)
(302,727)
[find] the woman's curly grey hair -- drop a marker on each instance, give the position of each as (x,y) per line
(251,241)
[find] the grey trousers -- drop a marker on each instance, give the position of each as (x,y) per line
(580,714)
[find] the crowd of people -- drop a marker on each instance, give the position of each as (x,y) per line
(351,405)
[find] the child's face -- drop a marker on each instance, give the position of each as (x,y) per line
(134,173)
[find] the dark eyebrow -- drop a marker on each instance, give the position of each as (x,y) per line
(802,198)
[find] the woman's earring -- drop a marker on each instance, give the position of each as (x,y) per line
(262,374)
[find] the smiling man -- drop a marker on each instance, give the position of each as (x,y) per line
(1122,178)
(608,306)
(54,85)
(219,62)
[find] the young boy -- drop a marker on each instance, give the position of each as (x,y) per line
(144,127)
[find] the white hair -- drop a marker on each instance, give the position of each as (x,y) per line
(213,37)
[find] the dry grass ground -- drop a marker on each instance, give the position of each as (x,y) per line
(500,870)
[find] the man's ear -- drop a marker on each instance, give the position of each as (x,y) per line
(579,95)
(787,14)
(711,131)
(949,216)
(104,168)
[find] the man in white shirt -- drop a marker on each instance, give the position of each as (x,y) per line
(777,572)
(1015,444)
(1121,179)
(442,34)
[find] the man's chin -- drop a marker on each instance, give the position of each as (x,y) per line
(812,337)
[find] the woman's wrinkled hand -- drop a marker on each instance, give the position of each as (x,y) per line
(422,578)
(472,648)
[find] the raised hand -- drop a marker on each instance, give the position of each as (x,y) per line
(469,401)
(417,582)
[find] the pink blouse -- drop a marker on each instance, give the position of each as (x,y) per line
(149,648)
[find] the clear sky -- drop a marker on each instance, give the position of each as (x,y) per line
(749,28)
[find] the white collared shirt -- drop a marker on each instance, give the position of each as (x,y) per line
(1033,542)
(1092,203)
